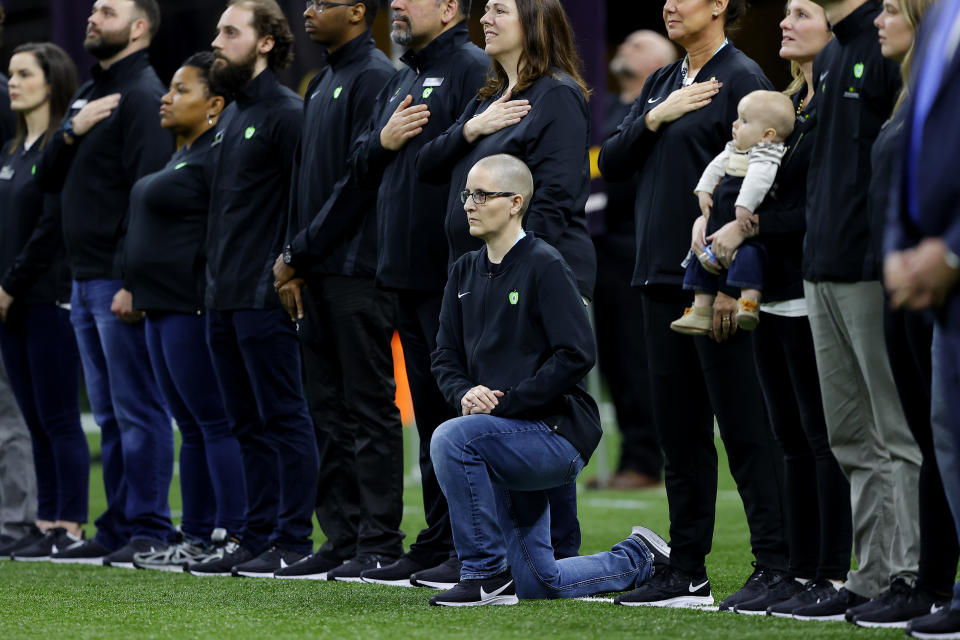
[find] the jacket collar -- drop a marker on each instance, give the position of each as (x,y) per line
(438,48)
(351,51)
(857,22)
(513,256)
(122,68)
(263,85)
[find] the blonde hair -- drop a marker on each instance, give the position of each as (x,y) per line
(913,11)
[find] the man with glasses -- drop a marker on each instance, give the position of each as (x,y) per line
(346,323)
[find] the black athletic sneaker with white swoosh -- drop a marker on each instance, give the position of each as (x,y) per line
(670,587)
(350,570)
(268,563)
(50,543)
(498,589)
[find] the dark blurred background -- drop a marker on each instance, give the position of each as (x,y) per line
(188,26)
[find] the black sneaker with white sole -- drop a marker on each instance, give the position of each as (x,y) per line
(894,608)
(833,607)
(313,567)
(122,558)
(943,623)
(9,544)
(351,570)
(397,574)
(48,544)
(780,590)
(445,575)
(268,563)
(812,592)
(495,590)
(670,587)
(224,556)
(755,587)
(81,552)
(656,545)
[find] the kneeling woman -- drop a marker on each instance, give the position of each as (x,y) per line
(514,345)
(164,270)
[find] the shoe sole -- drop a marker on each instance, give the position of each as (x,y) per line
(688,331)
(902,624)
(172,568)
(780,614)
(251,574)
(440,586)
(96,561)
(119,565)
(202,574)
(312,576)
(680,602)
(28,559)
(496,600)
(746,612)
(390,583)
(346,579)
(651,539)
(840,617)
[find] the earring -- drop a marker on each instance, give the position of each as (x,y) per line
(715,14)
(210,118)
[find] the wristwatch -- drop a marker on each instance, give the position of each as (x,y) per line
(69,132)
(288,255)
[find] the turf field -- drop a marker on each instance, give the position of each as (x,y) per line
(42,600)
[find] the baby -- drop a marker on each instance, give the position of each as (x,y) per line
(738,178)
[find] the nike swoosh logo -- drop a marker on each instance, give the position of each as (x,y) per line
(823,76)
(74,545)
(283,564)
(486,596)
(655,100)
(54,550)
(694,589)
(460,295)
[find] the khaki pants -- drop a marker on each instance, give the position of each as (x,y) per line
(867,429)
(18,482)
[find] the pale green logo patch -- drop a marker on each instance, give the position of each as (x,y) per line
(179,166)
(427,92)
(249,132)
(337,92)
(514,297)
(858,70)
(33,170)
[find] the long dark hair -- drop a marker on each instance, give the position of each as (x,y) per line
(61,75)
(547,42)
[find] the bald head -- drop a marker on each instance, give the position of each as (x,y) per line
(508,173)
(640,54)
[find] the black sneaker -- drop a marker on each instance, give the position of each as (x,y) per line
(397,574)
(811,593)
(350,570)
(944,623)
(830,608)
(476,593)
(81,552)
(313,567)
(41,549)
(756,586)
(445,575)
(268,563)
(9,544)
(226,554)
(122,558)
(901,605)
(656,545)
(781,589)
(670,588)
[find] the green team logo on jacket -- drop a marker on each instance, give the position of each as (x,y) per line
(337,92)
(33,170)
(514,297)
(858,70)
(249,132)
(180,165)
(427,92)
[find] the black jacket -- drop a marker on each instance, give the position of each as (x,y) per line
(95,174)
(32,258)
(411,247)
(255,143)
(333,227)
(621,194)
(165,248)
(8,122)
(521,327)
(883,163)
(553,139)
(672,159)
(857,90)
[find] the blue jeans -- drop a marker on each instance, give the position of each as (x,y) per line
(256,357)
(745,272)
(495,473)
(945,421)
(135,431)
(211,465)
(40,353)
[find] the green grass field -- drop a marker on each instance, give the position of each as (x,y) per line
(42,600)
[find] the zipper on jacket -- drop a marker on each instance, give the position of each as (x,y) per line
(483,314)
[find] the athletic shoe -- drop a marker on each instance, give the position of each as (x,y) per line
(40,550)
(748,314)
(224,556)
(498,589)
(656,545)
(81,552)
(122,558)
(268,563)
(670,588)
(313,567)
(780,590)
(812,593)
(757,585)
(9,544)
(350,570)
(833,607)
(695,321)
(894,608)
(944,623)
(175,557)
(397,574)
(445,575)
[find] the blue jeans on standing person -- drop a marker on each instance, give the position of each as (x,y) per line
(256,357)
(135,432)
(745,272)
(40,353)
(945,421)
(211,465)
(495,472)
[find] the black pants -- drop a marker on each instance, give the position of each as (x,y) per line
(622,354)
(908,337)
(817,515)
(348,381)
(691,380)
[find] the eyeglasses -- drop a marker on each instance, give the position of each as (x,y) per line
(320,5)
(480,197)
